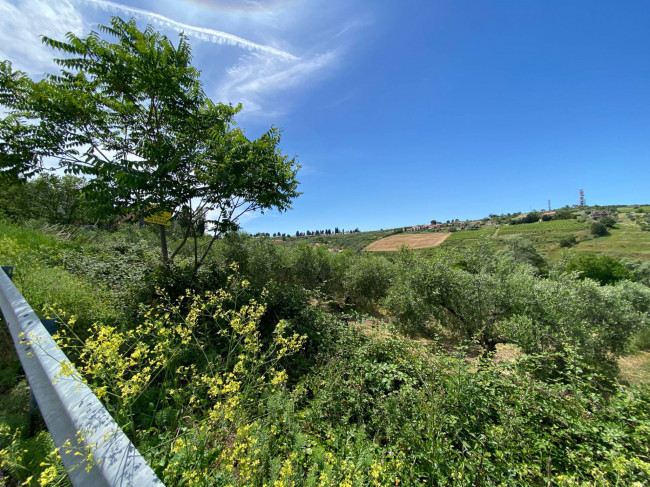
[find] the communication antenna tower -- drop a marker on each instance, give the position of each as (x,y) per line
(549,205)
(582,197)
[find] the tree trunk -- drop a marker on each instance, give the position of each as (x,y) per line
(163,245)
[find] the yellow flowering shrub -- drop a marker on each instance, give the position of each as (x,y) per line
(200,356)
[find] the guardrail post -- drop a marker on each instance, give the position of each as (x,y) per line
(51,325)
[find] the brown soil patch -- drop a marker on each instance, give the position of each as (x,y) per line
(415,241)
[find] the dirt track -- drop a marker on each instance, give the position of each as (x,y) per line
(413,241)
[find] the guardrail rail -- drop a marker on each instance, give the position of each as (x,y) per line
(70,409)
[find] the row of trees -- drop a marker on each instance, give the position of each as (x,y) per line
(310,233)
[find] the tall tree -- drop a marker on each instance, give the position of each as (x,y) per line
(129,112)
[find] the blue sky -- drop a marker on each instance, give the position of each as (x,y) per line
(405,111)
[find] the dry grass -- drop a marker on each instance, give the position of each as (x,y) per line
(507,352)
(635,369)
(415,241)
(374,329)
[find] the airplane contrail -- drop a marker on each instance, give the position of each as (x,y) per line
(202,33)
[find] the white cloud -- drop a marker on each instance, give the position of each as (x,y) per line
(201,33)
(255,78)
(260,77)
(21,27)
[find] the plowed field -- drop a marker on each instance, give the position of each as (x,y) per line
(414,241)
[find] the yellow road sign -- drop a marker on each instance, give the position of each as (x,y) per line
(161,218)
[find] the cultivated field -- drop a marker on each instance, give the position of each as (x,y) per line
(415,241)
(473,234)
(543,227)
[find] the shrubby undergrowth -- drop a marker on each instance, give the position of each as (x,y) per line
(255,369)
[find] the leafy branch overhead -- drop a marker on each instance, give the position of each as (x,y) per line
(128,111)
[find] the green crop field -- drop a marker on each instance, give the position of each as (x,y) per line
(543,227)
(631,209)
(472,234)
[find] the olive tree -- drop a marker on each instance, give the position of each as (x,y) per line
(468,292)
(128,111)
(565,312)
(489,296)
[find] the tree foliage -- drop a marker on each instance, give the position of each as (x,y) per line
(489,296)
(55,199)
(598,229)
(564,214)
(531,217)
(467,292)
(568,241)
(603,269)
(609,222)
(128,111)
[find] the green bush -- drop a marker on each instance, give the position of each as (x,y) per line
(467,292)
(531,217)
(601,268)
(608,222)
(491,297)
(639,269)
(564,215)
(523,251)
(313,267)
(598,229)
(568,241)
(366,280)
(409,298)
(642,340)
(52,198)
(448,423)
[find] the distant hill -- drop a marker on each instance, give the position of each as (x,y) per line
(627,239)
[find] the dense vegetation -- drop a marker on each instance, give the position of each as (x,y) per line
(297,365)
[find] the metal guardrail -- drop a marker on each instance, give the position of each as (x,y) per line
(70,409)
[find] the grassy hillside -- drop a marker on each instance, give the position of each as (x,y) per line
(632,208)
(627,240)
